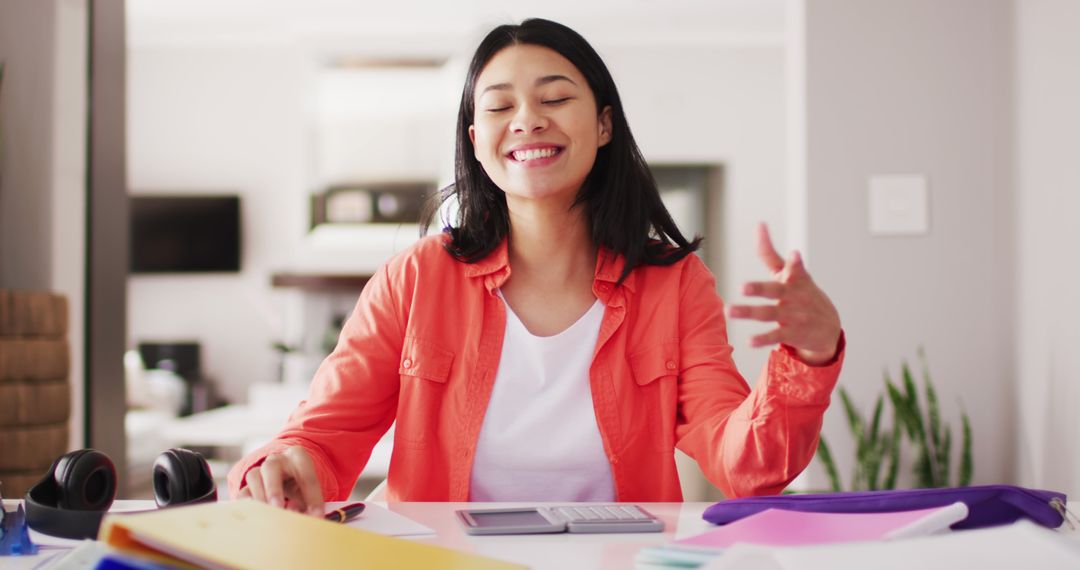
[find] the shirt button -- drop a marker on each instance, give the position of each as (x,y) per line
(407,363)
(671,365)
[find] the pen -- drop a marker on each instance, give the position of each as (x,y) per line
(346,513)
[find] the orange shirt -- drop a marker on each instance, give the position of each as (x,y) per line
(423,345)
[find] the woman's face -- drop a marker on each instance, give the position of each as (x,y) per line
(536,129)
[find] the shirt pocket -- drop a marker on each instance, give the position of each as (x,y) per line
(655,369)
(424,369)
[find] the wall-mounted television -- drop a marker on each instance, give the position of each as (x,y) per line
(184,234)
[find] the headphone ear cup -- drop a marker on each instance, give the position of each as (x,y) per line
(72,496)
(85,480)
(182,476)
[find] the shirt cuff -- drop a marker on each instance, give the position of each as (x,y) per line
(810,383)
(841,343)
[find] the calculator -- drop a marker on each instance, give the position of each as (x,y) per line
(570,518)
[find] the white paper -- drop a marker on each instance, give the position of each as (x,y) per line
(380,520)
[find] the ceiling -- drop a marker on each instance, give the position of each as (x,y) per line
(441,26)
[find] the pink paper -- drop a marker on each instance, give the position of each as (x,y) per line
(775,527)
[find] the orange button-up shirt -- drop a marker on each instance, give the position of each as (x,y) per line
(423,345)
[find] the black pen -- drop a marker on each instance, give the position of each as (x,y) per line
(346,513)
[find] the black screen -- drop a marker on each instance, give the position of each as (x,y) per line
(513,518)
(181,234)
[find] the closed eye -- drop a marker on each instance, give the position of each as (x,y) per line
(557,101)
(497,109)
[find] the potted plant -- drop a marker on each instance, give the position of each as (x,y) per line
(878,449)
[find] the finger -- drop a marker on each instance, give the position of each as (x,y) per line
(766,289)
(244,493)
(255,484)
(755,313)
(795,264)
(766,251)
(272,476)
(294,499)
(308,481)
(775,336)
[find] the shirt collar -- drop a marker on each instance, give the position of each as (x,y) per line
(609,266)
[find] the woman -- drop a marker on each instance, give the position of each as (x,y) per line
(560,340)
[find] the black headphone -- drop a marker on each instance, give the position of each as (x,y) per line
(73,496)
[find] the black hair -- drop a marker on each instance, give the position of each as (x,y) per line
(622,202)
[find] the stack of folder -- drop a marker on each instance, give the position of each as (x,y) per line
(250,534)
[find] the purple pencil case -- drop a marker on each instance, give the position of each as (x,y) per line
(988,505)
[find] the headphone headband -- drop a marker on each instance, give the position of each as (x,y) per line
(72,498)
(44,510)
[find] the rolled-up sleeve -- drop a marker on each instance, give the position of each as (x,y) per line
(353,396)
(746,441)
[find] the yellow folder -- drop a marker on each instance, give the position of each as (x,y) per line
(250,534)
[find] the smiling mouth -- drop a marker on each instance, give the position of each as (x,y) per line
(534,153)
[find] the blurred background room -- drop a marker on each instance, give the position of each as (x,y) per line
(211,182)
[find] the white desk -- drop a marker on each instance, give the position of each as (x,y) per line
(542,552)
(556,551)
(551,551)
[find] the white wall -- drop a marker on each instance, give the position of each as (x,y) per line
(226,120)
(1047,180)
(720,105)
(919,87)
(233,117)
(43,161)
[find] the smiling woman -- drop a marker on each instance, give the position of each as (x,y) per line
(559,340)
(537,136)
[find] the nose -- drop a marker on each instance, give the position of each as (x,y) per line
(527,120)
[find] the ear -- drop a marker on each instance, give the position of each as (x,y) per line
(605,126)
(472,139)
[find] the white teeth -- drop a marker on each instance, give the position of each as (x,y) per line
(533,154)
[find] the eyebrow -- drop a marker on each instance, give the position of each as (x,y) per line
(541,81)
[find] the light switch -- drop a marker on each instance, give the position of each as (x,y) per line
(899,205)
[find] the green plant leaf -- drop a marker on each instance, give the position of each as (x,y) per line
(934,416)
(894,456)
(904,413)
(875,422)
(967,466)
(924,474)
(826,458)
(913,401)
(855,422)
(874,462)
(943,458)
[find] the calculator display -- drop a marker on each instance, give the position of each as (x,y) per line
(511,518)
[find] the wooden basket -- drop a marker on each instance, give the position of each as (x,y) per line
(35,391)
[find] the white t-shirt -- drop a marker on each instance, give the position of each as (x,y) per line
(539,440)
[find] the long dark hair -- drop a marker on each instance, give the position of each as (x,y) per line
(622,202)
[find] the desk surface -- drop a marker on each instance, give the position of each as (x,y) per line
(550,551)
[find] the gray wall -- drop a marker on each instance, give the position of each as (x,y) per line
(27,47)
(1048,199)
(917,87)
(43,161)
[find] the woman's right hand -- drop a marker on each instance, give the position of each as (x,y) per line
(286,479)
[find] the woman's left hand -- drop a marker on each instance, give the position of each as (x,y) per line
(806,319)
